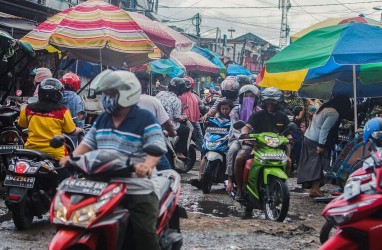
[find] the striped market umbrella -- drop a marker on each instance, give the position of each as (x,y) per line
(163,36)
(94,31)
(334,21)
(194,62)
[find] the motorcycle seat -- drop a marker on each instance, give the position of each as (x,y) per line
(32,153)
(162,185)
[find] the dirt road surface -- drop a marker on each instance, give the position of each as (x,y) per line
(214,222)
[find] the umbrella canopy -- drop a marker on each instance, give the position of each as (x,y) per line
(235,69)
(194,62)
(334,21)
(162,35)
(94,31)
(333,47)
(212,57)
(166,67)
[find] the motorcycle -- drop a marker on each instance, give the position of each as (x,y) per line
(11,136)
(356,213)
(264,177)
(181,166)
(88,211)
(216,145)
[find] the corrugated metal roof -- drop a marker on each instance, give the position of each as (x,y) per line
(16,22)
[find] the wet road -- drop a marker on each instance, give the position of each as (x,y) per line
(214,223)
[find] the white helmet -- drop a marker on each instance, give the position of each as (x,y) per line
(125,82)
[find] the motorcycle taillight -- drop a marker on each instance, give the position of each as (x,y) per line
(21,167)
(9,137)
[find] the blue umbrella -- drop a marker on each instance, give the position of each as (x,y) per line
(166,67)
(234,70)
(211,56)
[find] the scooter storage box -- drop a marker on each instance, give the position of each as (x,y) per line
(8,116)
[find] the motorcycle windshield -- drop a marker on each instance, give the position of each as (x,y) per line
(105,163)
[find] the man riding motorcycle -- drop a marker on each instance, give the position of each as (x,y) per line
(134,132)
(270,119)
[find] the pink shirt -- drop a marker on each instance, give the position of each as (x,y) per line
(190,106)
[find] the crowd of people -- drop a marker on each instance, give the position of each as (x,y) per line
(135,123)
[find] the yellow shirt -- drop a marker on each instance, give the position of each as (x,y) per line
(43,126)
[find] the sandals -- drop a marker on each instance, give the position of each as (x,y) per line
(316,194)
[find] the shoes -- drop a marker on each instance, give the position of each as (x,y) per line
(316,194)
(196,183)
(239,196)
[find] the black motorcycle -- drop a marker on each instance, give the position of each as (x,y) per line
(10,137)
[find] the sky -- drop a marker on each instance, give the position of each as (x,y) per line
(260,17)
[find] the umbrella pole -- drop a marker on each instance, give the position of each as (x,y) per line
(355,99)
(100,60)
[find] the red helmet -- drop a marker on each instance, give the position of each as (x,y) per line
(72,80)
(191,80)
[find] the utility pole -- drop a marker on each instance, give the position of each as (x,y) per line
(218,34)
(231,30)
(284,5)
(196,21)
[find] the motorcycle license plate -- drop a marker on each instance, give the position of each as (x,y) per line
(9,148)
(19,181)
(82,186)
(216,130)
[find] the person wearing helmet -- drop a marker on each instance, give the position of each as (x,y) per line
(173,106)
(190,107)
(40,75)
(47,118)
(270,119)
(135,133)
(153,105)
(70,99)
(243,80)
(249,96)
(229,89)
(319,139)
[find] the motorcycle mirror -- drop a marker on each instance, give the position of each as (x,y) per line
(81,115)
(239,125)
(57,141)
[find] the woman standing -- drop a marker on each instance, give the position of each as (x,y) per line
(319,138)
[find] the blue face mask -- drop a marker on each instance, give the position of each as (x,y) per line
(109,103)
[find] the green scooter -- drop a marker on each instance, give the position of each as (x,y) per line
(264,177)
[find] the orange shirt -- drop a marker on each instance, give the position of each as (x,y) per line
(42,127)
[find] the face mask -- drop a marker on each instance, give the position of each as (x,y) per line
(109,103)
(247,108)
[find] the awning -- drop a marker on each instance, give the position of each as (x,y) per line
(16,22)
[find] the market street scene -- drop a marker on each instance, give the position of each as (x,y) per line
(160,124)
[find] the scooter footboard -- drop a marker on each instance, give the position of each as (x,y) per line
(274,172)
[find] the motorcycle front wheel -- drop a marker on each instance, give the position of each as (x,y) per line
(185,167)
(206,180)
(276,206)
(22,214)
(327,230)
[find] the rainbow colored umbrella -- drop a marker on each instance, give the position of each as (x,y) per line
(334,21)
(94,31)
(316,60)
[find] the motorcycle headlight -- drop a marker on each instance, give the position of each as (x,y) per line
(340,215)
(272,141)
(83,216)
(59,211)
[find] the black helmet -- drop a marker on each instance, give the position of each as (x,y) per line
(177,85)
(50,89)
(243,79)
